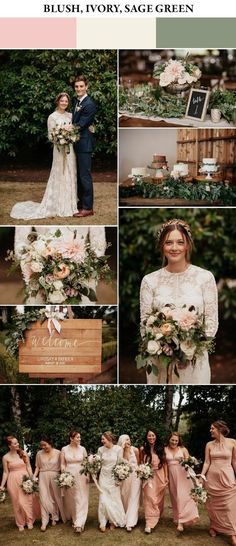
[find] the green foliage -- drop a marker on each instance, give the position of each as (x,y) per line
(214,233)
(8,366)
(151,102)
(31,79)
(108,350)
(179,189)
(225,100)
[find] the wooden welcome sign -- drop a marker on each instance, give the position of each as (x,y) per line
(76,350)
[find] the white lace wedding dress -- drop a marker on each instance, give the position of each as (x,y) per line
(60,197)
(195,286)
(110,508)
(94,234)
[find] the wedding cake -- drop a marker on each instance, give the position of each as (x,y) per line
(159,161)
(138,171)
(209,167)
(180,169)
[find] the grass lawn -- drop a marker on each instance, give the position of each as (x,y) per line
(105,204)
(63,534)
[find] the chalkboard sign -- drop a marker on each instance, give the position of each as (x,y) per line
(197,104)
(77,349)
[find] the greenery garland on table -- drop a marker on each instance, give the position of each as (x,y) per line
(21,323)
(145,100)
(179,189)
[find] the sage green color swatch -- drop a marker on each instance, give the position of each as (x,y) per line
(197,32)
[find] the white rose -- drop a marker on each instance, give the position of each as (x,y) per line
(39,245)
(150,320)
(36,267)
(165,79)
(188,349)
(57,297)
(58,285)
(153,347)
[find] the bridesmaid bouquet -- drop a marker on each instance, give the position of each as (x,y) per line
(191,462)
(29,485)
(57,271)
(199,494)
(2,496)
(65,479)
(121,471)
(91,465)
(144,471)
(176,336)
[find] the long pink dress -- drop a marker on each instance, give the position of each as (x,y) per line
(22,503)
(130,493)
(184,508)
(153,494)
(221,486)
(51,502)
(76,498)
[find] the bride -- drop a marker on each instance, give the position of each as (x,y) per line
(180,283)
(60,197)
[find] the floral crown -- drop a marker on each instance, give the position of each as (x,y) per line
(177,222)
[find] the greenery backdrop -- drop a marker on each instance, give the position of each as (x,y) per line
(29,83)
(31,411)
(214,234)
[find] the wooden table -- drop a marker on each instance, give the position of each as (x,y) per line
(126,121)
(153,202)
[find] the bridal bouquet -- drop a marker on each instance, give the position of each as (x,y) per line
(199,494)
(178,72)
(65,479)
(91,465)
(57,271)
(64,135)
(29,485)
(176,336)
(144,471)
(121,471)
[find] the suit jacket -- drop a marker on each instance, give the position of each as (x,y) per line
(82,119)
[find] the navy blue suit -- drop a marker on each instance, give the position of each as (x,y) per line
(83,150)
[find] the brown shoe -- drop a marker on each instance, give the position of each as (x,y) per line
(83,213)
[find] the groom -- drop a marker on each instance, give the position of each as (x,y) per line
(83,112)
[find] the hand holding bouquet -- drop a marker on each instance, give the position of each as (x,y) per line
(65,479)
(191,462)
(199,494)
(29,485)
(2,495)
(144,471)
(91,465)
(176,336)
(64,135)
(121,471)
(58,271)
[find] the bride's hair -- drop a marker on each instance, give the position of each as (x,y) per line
(183,228)
(59,97)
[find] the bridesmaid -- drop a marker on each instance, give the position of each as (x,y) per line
(110,508)
(16,464)
(130,488)
(184,508)
(219,469)
(76,498)
(154,490)
(48,463)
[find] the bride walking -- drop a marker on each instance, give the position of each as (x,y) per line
(184,287)
(60,197)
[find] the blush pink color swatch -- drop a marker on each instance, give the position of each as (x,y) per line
(39,33)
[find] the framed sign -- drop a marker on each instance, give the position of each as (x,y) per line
(197,104)
(76,349)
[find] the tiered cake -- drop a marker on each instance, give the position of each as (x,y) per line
(159,167)
(209,167)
